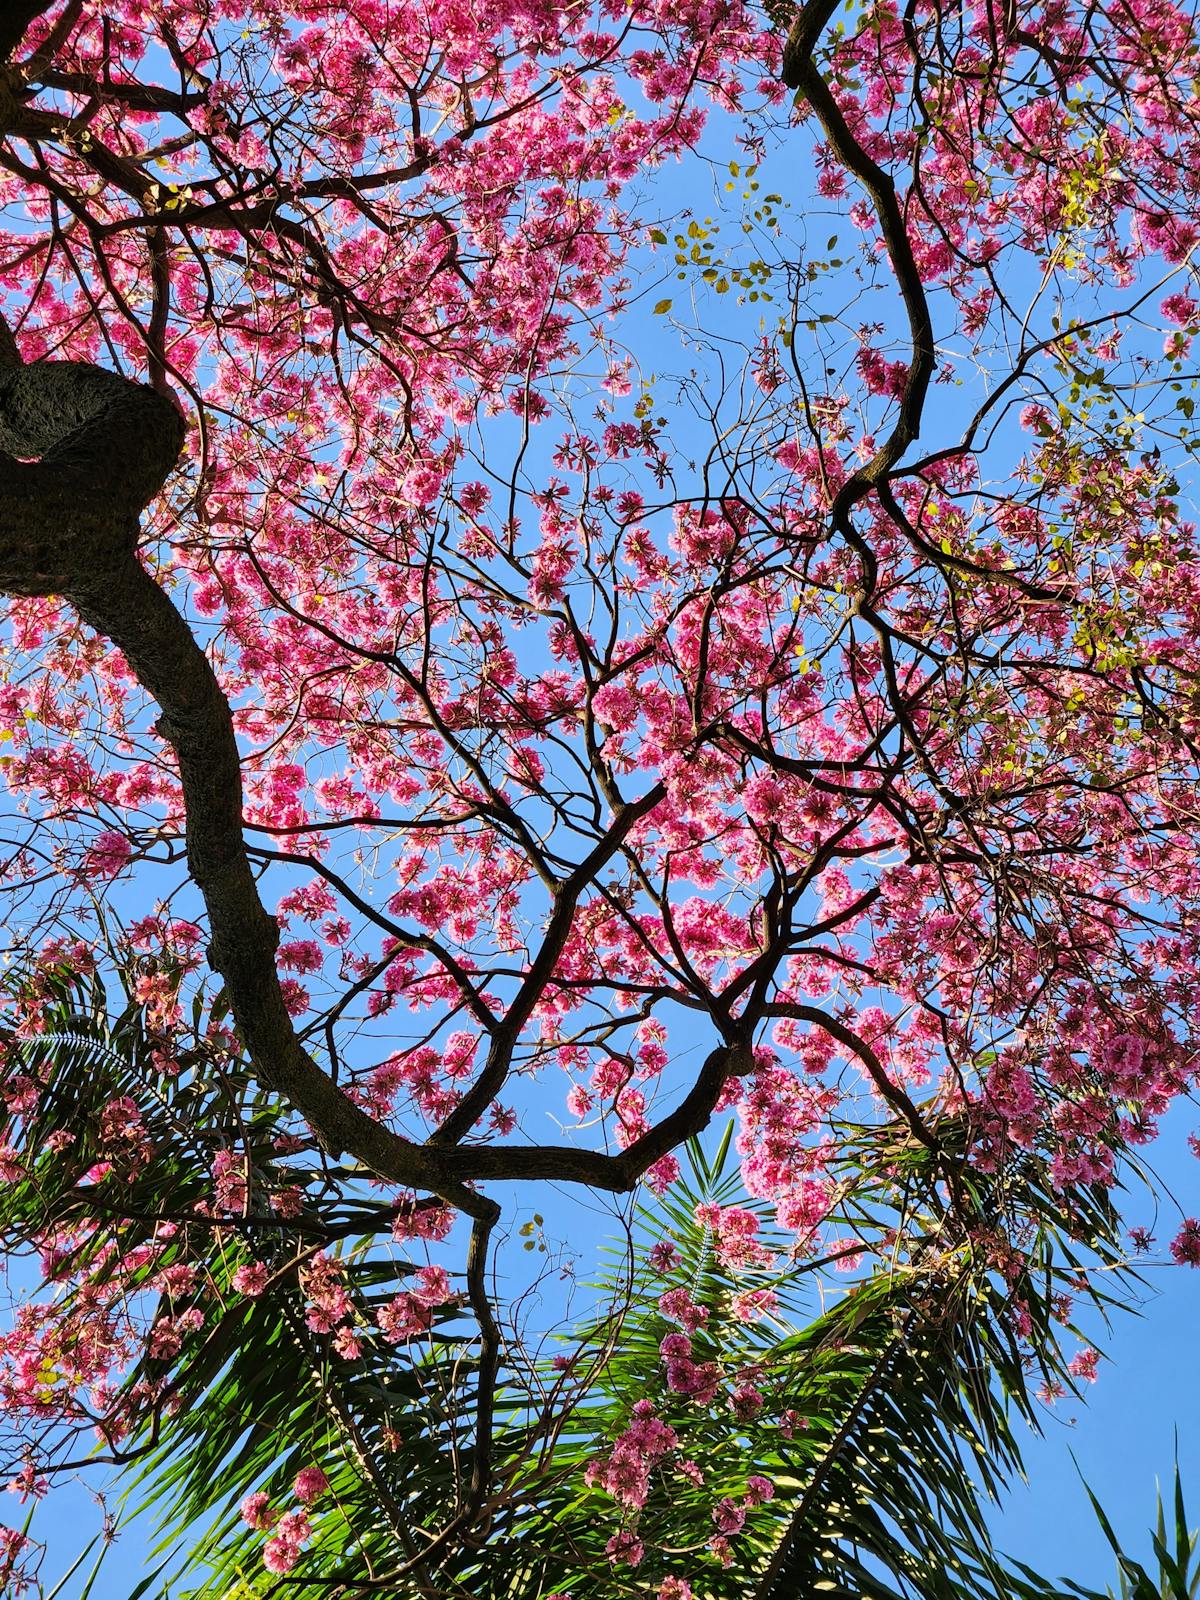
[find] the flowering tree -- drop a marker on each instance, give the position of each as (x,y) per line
(517,647)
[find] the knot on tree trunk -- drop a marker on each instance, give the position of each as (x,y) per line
(82,453)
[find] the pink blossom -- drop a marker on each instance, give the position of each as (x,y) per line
(250,1279)
(729,1516)
(625,1549)
(579,1101)
(722,1549)
(433,1286)
(664,1257)
(663,1173)
(625,1472)
(347,1344)
(230,1185)
(735,1231)
(1180,308)
(255,1510)
(310,1484)
(1084,1365)
(422,1220)
(745,1400)
(751,1304)
(1185,1246)
(280,1555)
(301,955)
(404,1317)
(109,855)
(679,1306)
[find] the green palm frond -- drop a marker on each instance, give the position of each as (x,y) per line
(253,1394)
(888,1398)
(933,1375)
(265,1399)
(1176,1554)
(903,1395)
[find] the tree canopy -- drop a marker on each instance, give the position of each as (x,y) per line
(602,621)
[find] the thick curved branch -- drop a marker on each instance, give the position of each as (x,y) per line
(621,1172)
(800,72)
(862,1051)
(137,616)
(69,526)
(105,446)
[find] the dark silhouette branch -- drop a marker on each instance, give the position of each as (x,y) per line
(15,17)
(801,72)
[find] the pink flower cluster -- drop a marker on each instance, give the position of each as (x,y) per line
(1084,1365)
(625,1472)
(735,1236)
(1185,1246)
(328,1302)
(678,1306)
(250,1279)
(230,1186)
(282,1550)
(696,1380)
(291,1531)
(409,1314)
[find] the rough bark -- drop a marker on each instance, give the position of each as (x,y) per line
(105,448)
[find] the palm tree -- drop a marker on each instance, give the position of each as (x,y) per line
(882,1414)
